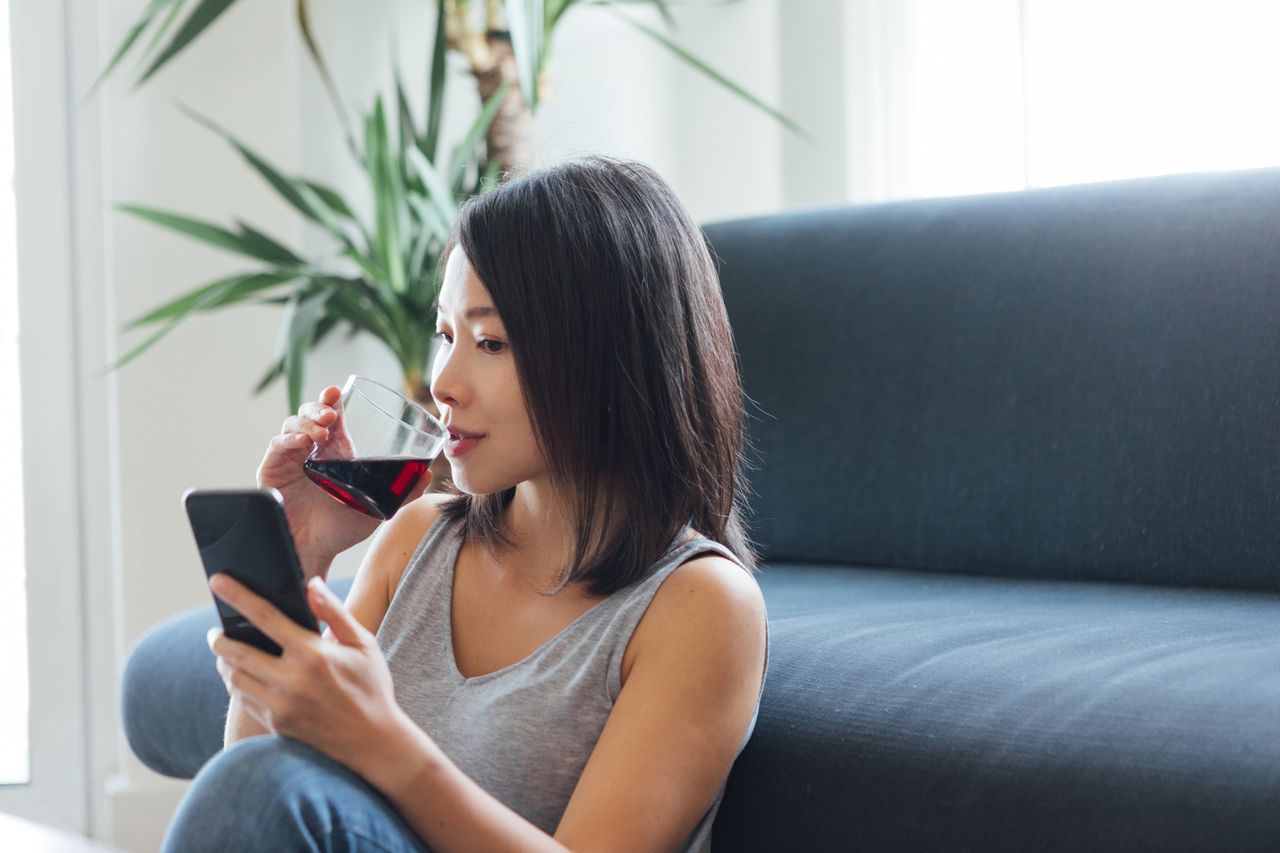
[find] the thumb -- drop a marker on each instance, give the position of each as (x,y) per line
(327,607)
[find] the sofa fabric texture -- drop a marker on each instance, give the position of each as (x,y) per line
(1078,382)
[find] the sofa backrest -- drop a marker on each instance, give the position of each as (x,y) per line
(1076,382)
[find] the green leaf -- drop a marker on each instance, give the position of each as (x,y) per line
(220,293)
(709,71)
(140,26)
(303,16)
(306,307)
(268,246)
(276,370)
(175,6)
(371,267)
(435,87)
(354,307)
(390,214)
(526,21)
(331,199)
(665,11)
(664,8)
(311,200)
(224,291)
(408,129)
(465,149)
(556,10)
(441,195)
(432,223)
(140,348)
(277,179)
(331,216)
(249,243)
(199,19)
(421,252)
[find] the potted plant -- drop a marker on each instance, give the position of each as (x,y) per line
(379,277)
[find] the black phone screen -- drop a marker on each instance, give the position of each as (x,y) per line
(244,532)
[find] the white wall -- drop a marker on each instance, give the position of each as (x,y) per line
(184,411)
(182,415)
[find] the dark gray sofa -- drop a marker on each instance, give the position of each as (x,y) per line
(1018,488)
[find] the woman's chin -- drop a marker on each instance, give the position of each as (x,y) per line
(470,485)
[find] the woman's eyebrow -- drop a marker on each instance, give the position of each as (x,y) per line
(474,313)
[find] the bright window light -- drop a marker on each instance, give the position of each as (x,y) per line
(1148,87)
(993,95)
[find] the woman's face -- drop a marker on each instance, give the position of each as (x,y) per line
(474,384)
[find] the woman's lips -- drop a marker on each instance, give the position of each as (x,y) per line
(456,447)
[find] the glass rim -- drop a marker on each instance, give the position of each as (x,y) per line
(354,379)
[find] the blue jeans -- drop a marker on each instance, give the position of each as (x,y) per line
(275,793)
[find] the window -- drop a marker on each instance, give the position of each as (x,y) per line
(994,95)
(42,613)
(15,745)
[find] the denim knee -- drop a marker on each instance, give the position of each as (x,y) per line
(275,793)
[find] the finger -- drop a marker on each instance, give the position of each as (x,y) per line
(327,606)
(235,654)
(295,444)
(243,656)
(264,615)
(306,425)
(320,415)
(334,421)
(248,687)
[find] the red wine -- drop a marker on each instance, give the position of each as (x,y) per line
(374,485)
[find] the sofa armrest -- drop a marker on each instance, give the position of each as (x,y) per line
(173,703)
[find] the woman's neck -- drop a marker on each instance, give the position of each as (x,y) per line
(543,539)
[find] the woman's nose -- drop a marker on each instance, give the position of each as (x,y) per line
(442,380)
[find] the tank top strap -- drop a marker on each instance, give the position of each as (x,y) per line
(417,612)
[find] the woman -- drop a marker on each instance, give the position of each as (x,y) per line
(558,652)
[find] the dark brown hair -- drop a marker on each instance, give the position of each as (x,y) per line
(622,346)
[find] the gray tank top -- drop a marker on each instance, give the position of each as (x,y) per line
(524,732)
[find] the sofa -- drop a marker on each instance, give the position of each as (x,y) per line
(1016,481)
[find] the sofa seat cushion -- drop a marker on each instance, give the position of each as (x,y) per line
(915,710)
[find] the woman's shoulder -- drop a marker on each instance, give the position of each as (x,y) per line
(407,528)
(424,512)
(393,547)
(694,602)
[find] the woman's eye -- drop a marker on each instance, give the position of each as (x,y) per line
(498,345)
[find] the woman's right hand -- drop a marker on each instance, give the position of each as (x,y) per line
(322,527)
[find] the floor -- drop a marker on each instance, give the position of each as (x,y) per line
(19,834)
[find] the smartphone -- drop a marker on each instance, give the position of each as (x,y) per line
(244,532)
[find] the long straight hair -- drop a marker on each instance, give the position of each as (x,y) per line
(612,306)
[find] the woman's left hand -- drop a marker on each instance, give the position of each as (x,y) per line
(333,692)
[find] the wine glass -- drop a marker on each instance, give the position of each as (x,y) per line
(379,447)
